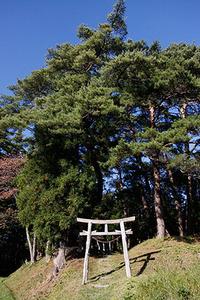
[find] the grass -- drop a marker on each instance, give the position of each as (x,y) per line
(168,285)
(161,270)
(5,293)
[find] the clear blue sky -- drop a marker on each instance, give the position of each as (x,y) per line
(29,27)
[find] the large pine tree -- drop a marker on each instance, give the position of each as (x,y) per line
(110,128)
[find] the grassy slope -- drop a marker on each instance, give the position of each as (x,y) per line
(5,294)
(161,269)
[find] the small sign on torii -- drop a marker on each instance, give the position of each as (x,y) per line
(89,233)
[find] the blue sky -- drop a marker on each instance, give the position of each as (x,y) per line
(29,27)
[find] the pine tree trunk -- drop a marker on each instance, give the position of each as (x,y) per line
(99,177)
(144,203)
(157,194)
(147,185)
(177,203)
(189,210)
(120,189)
(98,173)
(189,206)
(34,247)
(157,203)
(142,192)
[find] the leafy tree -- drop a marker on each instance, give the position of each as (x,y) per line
(12,238)
(110,128)
(69,114)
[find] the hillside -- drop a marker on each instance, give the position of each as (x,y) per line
(161,269)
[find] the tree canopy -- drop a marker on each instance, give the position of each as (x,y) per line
(109,127)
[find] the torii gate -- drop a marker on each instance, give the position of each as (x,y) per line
(89,233)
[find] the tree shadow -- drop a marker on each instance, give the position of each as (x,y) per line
(146,261)
(141,258)
(187,239)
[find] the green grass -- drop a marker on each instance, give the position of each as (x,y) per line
(5,294)
(161,270)
(166,285)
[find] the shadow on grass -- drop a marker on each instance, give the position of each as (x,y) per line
(141,258)
(187,239)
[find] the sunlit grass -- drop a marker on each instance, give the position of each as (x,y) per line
(5,294)
(166,285)
(162,269)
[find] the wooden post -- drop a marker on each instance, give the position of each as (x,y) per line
(125,250)
(106,228)
(86,259)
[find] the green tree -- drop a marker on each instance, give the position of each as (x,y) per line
(113,130)
(69,116)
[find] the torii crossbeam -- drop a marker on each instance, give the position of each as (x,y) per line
(89,233)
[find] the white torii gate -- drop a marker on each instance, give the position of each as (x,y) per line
(89,233)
